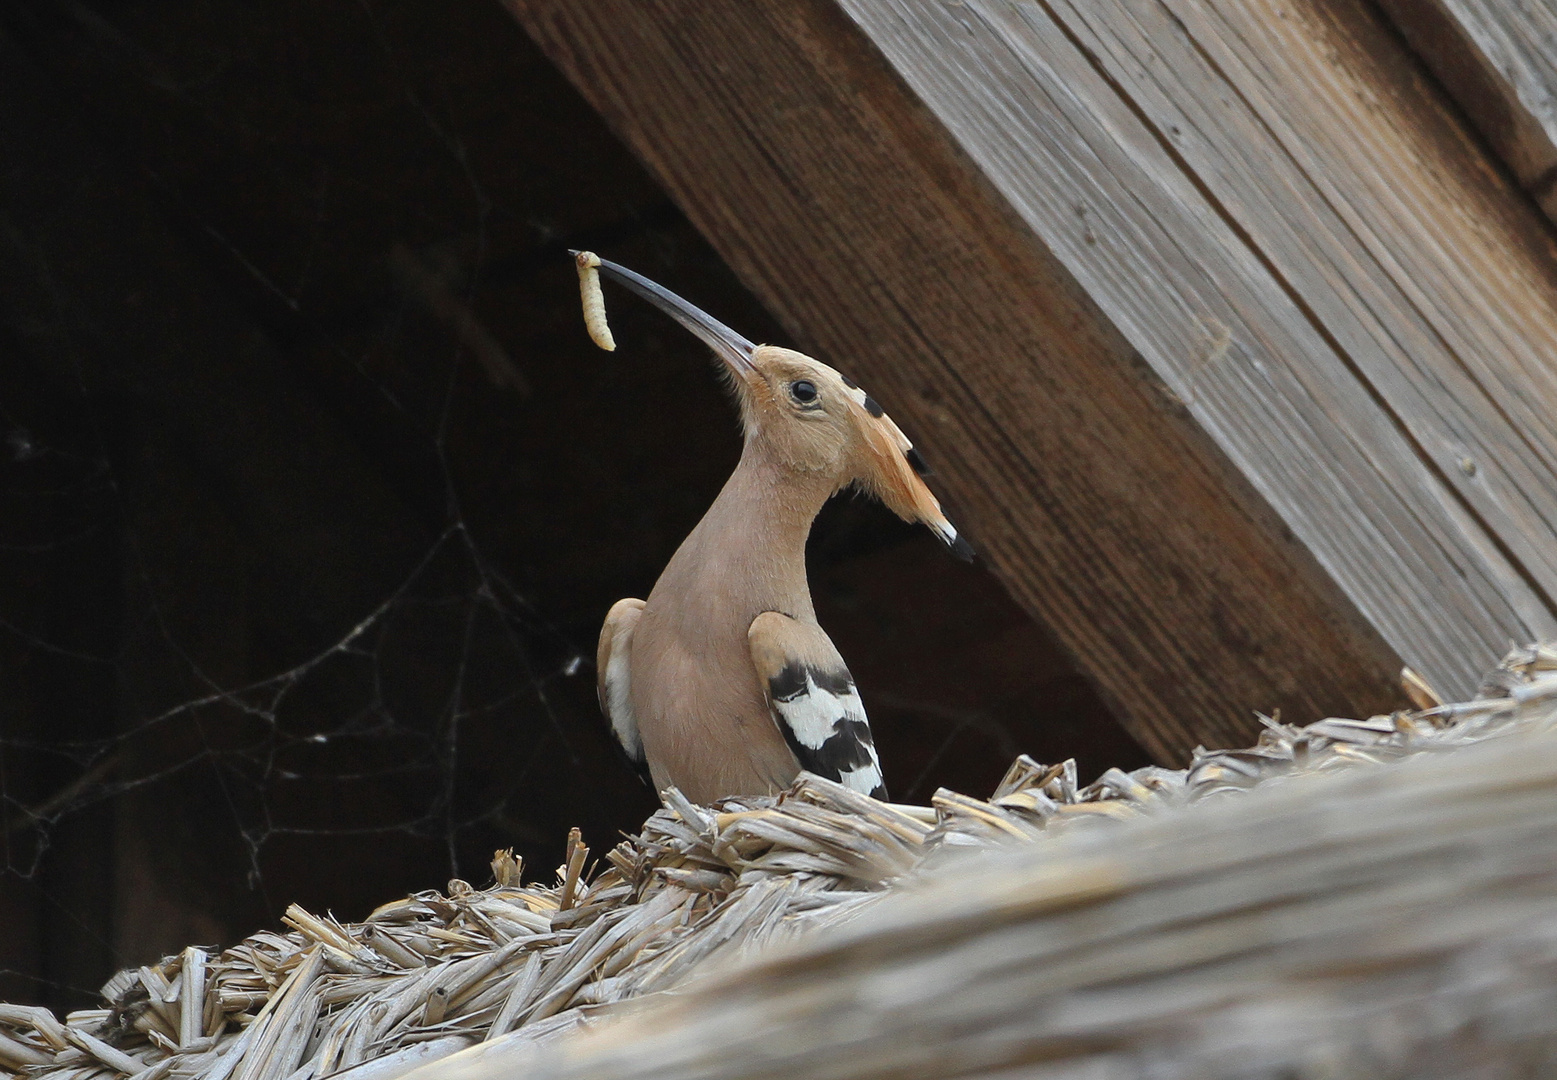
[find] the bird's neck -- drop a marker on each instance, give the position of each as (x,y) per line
(773,502)
(752,541)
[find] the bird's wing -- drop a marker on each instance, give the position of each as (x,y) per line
(613,675)
(814,703)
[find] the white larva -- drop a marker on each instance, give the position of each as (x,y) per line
(594,300)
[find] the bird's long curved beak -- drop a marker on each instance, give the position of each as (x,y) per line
(729,346)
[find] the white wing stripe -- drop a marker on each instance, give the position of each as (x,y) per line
(619,702)
(828,730)
(811,713)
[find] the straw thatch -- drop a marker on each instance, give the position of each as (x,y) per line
(1341,920)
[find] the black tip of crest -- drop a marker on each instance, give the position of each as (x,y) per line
(872,407)
(963,550)
(917,461)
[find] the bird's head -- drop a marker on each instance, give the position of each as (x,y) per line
(808,417)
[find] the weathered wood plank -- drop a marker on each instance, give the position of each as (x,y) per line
(1262,263)
(1097,497)
(1499,60)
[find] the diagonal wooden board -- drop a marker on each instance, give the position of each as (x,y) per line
(1498,58)
(1398,304)
(1224,472)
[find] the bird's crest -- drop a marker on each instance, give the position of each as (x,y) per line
(896,477)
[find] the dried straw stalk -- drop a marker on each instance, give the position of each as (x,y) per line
(1340,921)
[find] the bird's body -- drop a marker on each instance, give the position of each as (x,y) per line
(712,732)
(722,682)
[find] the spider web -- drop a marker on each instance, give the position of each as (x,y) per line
(347,716)
(280,752)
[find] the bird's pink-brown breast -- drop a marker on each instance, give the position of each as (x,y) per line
(703,718)
(701,711)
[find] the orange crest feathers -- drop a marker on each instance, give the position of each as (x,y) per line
(895,471)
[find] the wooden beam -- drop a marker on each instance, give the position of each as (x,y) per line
(1499,60)
(1294,229)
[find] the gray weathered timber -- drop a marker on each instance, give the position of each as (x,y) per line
(1499,60)
(1270,206)
(1418,273)
(1313,259)
(1097,498)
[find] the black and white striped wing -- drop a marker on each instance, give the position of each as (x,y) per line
(814,702)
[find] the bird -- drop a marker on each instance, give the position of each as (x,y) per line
(722,683)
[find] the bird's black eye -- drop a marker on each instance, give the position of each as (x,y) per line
(802,391)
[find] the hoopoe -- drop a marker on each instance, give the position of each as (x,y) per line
(722,682)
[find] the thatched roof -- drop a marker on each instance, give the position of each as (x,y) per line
(1339,920)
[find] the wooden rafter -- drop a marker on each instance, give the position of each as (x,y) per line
(1499,60)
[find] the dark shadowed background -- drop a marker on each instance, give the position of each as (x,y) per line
(313,492)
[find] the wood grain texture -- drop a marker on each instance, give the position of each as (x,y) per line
(1499,60)
(1273,209)
(872,235)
